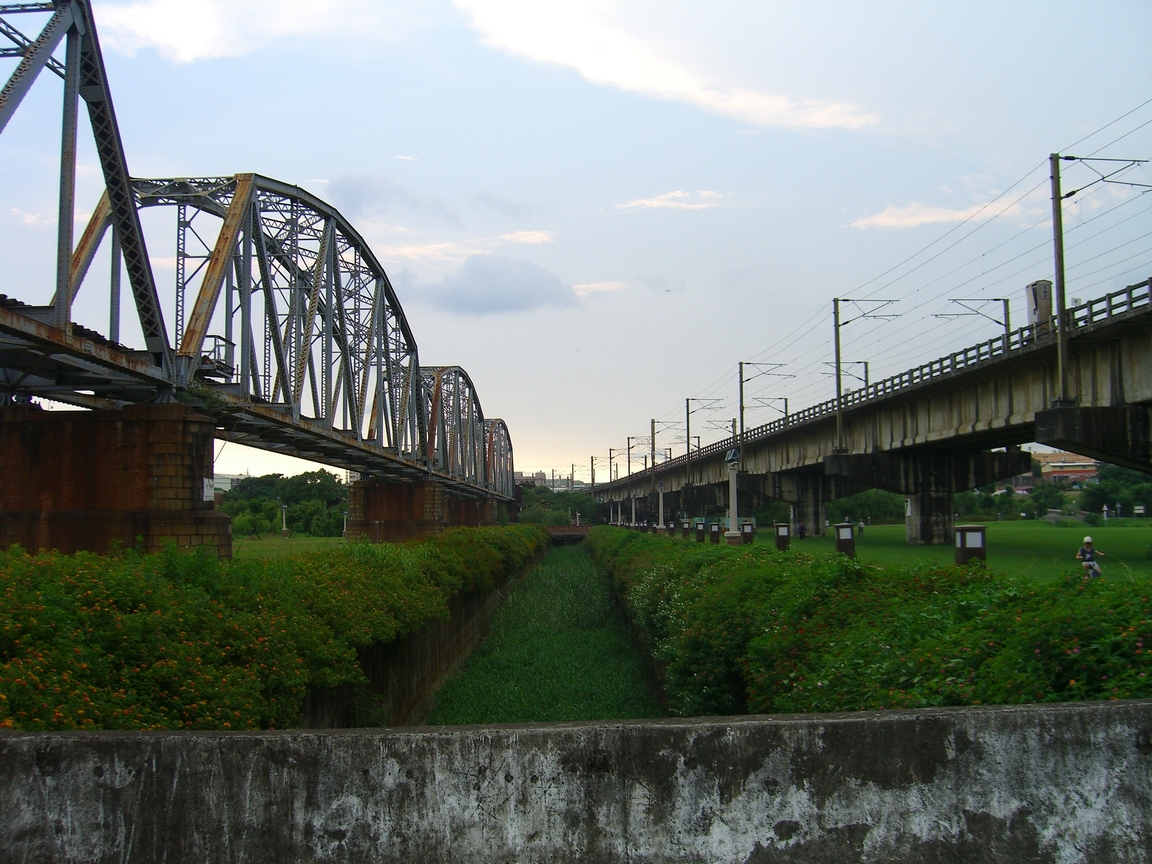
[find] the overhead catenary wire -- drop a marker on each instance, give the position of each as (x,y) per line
(995,271)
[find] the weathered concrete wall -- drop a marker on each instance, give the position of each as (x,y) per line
(403,675)
(1056,783)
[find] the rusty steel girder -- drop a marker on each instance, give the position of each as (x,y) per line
(295,340)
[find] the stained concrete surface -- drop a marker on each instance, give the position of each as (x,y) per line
(1053,783)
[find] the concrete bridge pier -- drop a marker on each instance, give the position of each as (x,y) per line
(1120,434)
(90,481)
(394,512)
(808,493)
(929,479)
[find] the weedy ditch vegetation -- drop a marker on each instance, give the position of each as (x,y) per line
(559,649)
(175,641)
(750,629)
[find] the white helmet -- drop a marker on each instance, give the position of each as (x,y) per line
(1087,540)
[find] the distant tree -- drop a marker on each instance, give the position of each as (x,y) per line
(1117,485)
(873,506)
(316,501)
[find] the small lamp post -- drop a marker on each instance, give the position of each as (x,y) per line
(845,538)
(283,520)
(732,535)
(660,522)
(970,544)
(783,536)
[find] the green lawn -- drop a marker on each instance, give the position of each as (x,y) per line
(277,547)
(1035,548)
(558,650)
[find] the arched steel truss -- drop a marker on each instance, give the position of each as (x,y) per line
(295,340)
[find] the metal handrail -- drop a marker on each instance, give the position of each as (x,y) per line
(1125,301)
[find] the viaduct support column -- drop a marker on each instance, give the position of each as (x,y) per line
(93,480)
(929,478)
(807,493)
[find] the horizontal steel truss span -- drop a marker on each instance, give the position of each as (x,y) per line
(292,338)
(1131,306)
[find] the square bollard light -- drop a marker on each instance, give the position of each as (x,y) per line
(685,528)
(970,544)
(783,536)
(845,538)
(714,532)
(699,532)
(747,533)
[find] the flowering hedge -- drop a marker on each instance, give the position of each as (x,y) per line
(173,641)
(750,629)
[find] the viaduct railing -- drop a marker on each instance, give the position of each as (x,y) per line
(1080,319)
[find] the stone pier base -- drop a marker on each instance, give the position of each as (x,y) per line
(96,480)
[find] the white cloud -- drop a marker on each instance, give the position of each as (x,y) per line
(407,158)
(189,30)
(586,288)
(912,215)
(533,237)
(677,200)
(581,34)
(33,219)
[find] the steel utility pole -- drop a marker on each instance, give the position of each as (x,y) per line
(652,442)
(1058,250)
(766,369)
(688,439)
(839,403)
(688,430)
(630,481)
(741,375)
(592,470)
(836,325)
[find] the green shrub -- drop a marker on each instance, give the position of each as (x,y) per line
(751,629)
(187,641)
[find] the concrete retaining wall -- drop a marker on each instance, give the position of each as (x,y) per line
(403,675)
(1057,783)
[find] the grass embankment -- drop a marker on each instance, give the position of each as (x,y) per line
(749,629)
(558,650)
(1026,548)
(174,641)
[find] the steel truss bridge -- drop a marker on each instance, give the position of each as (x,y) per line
(286,329)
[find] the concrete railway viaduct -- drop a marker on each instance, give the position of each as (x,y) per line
(937,429)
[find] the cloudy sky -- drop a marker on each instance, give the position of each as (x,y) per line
(598,209)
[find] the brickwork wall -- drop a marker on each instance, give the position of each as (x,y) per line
(394,512)
(89,480)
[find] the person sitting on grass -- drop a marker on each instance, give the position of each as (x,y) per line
(1087,554)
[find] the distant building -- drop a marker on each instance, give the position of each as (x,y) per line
(1066,467)
(537,479)
(225,482)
